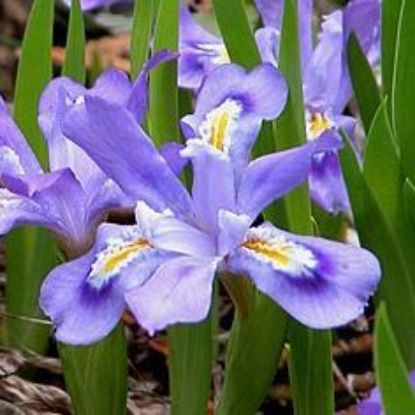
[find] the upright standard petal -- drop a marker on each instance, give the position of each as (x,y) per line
(111,136)
(319,282)
(209,196)
(270,177)
(231,106)
(180,291)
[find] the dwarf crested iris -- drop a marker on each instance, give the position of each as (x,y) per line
(327,86)
(163,267)
(75,195)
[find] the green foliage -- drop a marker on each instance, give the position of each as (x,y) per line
(403,89)
(397,394)
(30,252)
(310,351)
(364,82)
(96,375)
(141,31)
(74,65)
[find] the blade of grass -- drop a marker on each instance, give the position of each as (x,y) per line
(74,65)
(390,18)
(397,394)
(30,252)
(376,235)
(364,82)
(144,12)
(310,351)
(190,346)
(403,89)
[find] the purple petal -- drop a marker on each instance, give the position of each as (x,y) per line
(111,136)
(324,75)
(232,229)
(245,98)
(84,298)
(171,234)
(327,186)
(268,41)
(12,138)
(16,210)
(138,99)
(56,100)
(200,51)
(270,177)
(319,282)
(81,314)
(271,12)
(262,92)
(179,292)
(171,153)
(62,200)
(209,167)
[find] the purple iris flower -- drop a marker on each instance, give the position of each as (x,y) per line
(201,52)
(163,268)
(95,4)
(327,85)
(373,404)
(70,200)
(233,103)
(75,195)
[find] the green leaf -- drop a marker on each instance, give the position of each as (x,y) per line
(252,357)
(397,394)
(30,252)
(364,82)
(74,66)
(376,234)
(310,356)
(389,27)
(236,32)
(163,79)
(97,383)
(403,89)
(143,17)
(409,198)
(252,352)
(310,359)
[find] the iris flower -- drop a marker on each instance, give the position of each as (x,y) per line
(163,267)
(326,83)
(201,52)
(75,195)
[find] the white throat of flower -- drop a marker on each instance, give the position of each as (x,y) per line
(282,254)
(10,161)
(219,54)
(317,123)
(119,253)
(220,124)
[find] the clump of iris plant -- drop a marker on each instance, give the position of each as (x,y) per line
(163,267)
